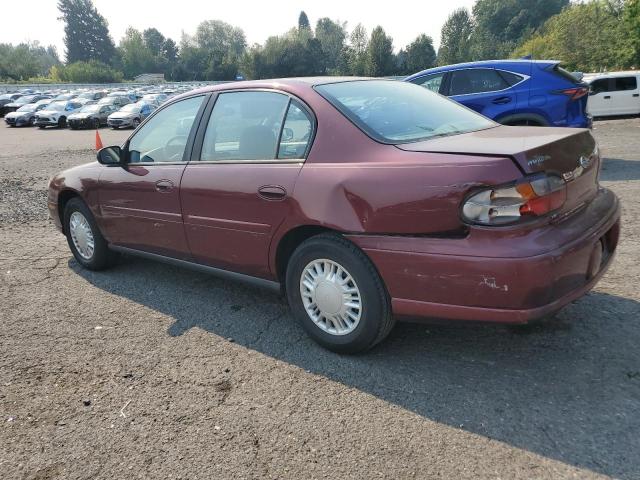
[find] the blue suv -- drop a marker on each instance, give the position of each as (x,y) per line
(513,92)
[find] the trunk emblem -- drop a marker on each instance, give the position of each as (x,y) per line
(538,160)
(585,162)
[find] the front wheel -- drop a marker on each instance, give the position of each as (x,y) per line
(86,242)
(337,295)
(62,122)
(135,123)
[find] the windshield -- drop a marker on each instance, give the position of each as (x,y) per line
(90,109)
(130,108)
(30,107)
(399,112)
(6,96)
(26,99)
(56,106)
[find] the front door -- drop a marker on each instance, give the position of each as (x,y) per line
(140,202)
(236,193)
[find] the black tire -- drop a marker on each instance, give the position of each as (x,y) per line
(32,121)
(135,123)
(62,122)
(96,123)
(102,257)
(113,127)
(41,127)
(376,320)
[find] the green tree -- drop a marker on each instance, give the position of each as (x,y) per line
(501,25)
(332,36)
(92,71)
(222,45)
(135,55)
(154,40)
(586,36)
(303,21)
(357,52)
(631,16)
(26,60)
(455,38)
(86,32)
(379,57)
(420,55)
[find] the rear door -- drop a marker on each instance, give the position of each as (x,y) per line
(236,190)
(625,96)
(483,90)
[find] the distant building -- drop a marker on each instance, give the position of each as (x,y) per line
(150,78)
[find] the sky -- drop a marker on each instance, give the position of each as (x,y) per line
(402,20)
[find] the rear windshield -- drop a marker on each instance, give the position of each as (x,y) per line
(400,112)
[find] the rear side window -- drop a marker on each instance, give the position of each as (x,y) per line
(478,80)
(510,78)
(296,132)
(624,83)
(244,126)
(430,82)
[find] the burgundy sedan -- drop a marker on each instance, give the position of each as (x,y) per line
(364,200)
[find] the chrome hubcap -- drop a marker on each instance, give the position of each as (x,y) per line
(81,235)
(331,297)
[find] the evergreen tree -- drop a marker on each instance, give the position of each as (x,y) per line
(420,54)
(303,21)
(455,38)
(379,59)
(86,32)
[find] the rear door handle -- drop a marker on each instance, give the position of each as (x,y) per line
(272,192)
(164,185)
(607,97)
(501,100)
(636,95)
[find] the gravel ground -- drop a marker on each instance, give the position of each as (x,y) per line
(148,371)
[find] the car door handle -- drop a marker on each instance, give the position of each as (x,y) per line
(501,100)
(636,95)
(607,97)
(272,192)
(164,185)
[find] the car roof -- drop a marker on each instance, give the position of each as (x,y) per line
(484,63)
(594,76)
(291,85)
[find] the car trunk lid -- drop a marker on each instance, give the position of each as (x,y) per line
(565,152)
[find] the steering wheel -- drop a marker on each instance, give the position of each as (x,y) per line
(174,148)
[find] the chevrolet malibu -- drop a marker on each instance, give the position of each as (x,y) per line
(364,201)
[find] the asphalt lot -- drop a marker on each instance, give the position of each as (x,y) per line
(149,371)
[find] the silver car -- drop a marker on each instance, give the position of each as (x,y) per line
(130,115)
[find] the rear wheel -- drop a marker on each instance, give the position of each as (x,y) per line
(32,121)
(337,295)
(96,123)
(86,242)
(62,122)
(135,123)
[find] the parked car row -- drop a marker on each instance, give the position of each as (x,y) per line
(84,108)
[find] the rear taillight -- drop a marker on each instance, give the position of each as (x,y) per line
(531,197)
(574,93)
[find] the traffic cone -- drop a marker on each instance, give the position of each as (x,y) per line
(98,141)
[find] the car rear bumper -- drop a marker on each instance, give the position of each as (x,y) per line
(498,275)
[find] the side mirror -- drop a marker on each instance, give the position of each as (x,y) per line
(110,155)
(287,134)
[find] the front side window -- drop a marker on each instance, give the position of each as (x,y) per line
(164,137)
(625,83)
(400,112)
(244,126)
(477,80)
(430,82)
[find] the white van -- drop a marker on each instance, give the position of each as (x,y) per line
(614,93)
